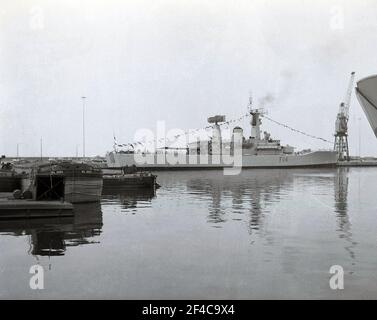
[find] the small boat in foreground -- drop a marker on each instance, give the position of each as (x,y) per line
(131,180)
(56,180)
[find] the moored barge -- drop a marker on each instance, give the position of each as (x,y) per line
(73,182)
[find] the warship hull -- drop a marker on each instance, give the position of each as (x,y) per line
(192,162)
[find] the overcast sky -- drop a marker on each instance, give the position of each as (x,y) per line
(179,61)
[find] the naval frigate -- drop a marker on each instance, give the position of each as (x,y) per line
(256,151)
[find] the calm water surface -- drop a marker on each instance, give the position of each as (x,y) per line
(263,234)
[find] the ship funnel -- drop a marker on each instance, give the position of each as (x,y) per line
(237,130)
(237,138)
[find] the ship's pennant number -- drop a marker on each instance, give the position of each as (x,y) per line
(283,159)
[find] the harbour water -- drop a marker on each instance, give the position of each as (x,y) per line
(262,234)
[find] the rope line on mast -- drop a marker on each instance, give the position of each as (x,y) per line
(186,133)
(226,123)
(295,130)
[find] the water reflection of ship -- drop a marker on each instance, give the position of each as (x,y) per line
(255,189)
(52,236)
(128,198)
(341,191)
(259,189)
(341,209)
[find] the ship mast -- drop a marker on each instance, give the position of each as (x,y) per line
(255,121)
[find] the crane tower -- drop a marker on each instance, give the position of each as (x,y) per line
(341,124)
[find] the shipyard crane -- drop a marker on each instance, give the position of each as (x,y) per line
(341,124)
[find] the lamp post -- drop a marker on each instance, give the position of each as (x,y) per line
(83,126)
